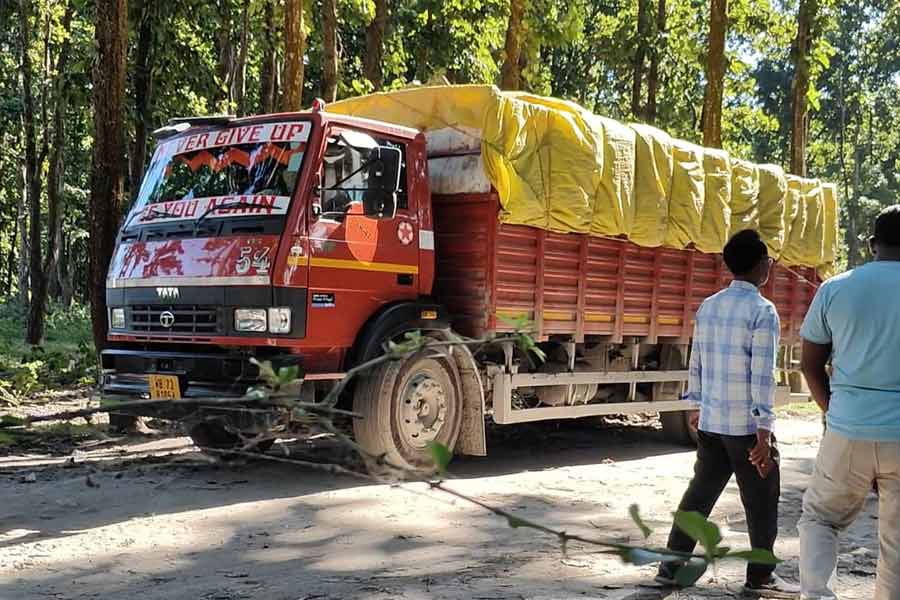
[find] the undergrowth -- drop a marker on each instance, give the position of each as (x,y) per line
(66,356)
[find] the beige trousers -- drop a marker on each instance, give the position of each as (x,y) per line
(837,491)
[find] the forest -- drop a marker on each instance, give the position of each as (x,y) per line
(813,85)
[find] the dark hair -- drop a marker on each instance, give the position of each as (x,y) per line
(744,251)
(887,227)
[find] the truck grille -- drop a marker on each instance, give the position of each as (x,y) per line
(185,318)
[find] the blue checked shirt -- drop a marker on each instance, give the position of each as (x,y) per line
(732,369)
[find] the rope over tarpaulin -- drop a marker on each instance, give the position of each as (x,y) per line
(559,167)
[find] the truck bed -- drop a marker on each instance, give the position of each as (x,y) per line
(581,286)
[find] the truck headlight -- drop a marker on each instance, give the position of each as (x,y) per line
(117,318)
(279,320)
(250,319)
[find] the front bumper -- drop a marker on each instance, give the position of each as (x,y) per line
(200,375)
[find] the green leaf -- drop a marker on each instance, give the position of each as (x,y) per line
(640,556)
(287,375)
(688,574)
(757,555)
(441,456)
(635,513)
(700,529)
(266,371)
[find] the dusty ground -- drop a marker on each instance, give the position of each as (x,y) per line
(153,519)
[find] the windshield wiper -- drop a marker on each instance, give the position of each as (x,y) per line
(225,205)
(152,210)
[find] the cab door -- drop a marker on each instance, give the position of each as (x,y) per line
(357,263)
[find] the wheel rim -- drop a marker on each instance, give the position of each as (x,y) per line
(423,410)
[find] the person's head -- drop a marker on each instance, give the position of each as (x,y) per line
(747,257)
(885,242)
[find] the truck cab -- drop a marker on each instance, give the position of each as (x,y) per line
(277,238)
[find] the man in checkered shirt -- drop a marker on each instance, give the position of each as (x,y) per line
(732,382)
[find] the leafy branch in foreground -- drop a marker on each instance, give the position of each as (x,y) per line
(279,390)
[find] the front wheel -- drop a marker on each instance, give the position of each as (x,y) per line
(406,404)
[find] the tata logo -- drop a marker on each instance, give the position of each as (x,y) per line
(167,293)
(166,319)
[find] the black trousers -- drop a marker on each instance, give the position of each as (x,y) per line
(718,457)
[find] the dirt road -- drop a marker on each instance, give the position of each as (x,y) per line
(175,526)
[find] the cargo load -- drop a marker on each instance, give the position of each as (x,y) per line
(558,167)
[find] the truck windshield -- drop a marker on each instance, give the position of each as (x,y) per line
(251,169)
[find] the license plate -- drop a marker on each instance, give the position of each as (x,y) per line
(164,387)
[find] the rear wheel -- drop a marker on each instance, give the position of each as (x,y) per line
(406,404)
(676,424)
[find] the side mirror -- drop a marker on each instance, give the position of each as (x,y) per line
(380,199)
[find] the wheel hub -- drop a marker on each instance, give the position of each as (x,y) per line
(423,410)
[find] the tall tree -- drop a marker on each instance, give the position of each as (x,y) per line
(372,67)
(800,55)
(240,68)
(268,69)
(656,53)
(715,74)
(56,169)
(329,51)
(642,48)
(294,49)
(108,173)
(143,89)
(510,73)
(34,330)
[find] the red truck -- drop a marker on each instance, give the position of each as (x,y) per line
(312,238)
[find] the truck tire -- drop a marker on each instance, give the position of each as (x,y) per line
(677,428)
(406,404)
(208,434)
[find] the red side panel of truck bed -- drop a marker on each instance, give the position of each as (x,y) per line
(567,284)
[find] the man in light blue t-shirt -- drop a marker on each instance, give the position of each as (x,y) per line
(855,321)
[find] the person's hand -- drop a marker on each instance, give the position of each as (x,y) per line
(761,453)
(694,419)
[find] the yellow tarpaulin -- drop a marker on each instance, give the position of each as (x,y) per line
(794,222)
(772,203)
(652,185)
(716,210)
(830,226)
(744,196)
(559,167)
(687,196)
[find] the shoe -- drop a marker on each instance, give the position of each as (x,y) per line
(775,587)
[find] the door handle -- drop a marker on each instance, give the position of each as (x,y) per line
(404,279)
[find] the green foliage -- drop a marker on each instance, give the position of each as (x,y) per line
(441,456)
(67,356)
(701,529)
(635,513)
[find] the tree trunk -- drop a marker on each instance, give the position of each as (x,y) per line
(329,51)
(269,62)
(372,67)
(510,75)
(225,49)
(656,54)
(107,174)
(22,234)
(800,85)
(143,92)
(640,54)
(294,49)
(56,174)
(715,74)
(34,327)
(240,74)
